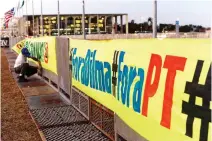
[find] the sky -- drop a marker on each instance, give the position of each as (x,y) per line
(198,12)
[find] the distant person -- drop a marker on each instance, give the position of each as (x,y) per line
(23,68)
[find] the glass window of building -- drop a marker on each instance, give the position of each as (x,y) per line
(78,25)
(93,25)
(70,26)
(109,24)
(101,24)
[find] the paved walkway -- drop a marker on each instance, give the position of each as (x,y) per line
(55,119)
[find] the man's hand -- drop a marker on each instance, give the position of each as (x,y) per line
(39,64)
(40,69)
(33,58)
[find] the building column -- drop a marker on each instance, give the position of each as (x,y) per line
(105,23)
(116,24)
(50,24)
(40,28)
(89,24)
(113,23)
(66,25)
(98,30)
(26,26)
(127,30)
(37,28)
(74,25)
(121,21)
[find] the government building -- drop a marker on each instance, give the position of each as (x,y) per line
(71,24)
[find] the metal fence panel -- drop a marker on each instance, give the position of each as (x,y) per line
(62,53)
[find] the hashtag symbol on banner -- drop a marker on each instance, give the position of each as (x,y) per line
(115,69)
(70,59)
(194,111)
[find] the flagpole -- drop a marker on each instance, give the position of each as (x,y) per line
(26,20)
(22,12)
(41,18)
(18,11)
(58,17)
(11,28)
(22,19)
(154,25)
(83,19)
(33,18)
(18,8)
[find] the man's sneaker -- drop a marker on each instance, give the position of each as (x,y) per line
(22,79)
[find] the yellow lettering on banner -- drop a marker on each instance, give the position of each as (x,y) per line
(153,85)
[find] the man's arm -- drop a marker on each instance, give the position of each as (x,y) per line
(35,59)
(39,64)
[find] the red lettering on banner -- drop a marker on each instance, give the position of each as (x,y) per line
(150,89)
(19,46)
(172,63)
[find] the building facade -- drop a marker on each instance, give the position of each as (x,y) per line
(71,24)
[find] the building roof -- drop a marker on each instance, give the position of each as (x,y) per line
(88,14)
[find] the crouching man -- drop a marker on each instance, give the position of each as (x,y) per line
(23,68)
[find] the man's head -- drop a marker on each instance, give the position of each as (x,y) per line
(25,52)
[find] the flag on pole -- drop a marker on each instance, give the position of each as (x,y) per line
(17,8)
(18,5)
(8,15)
(22,4)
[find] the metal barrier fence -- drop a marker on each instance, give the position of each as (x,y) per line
(80,101)
(14,40)
(101,117)
(62,54)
